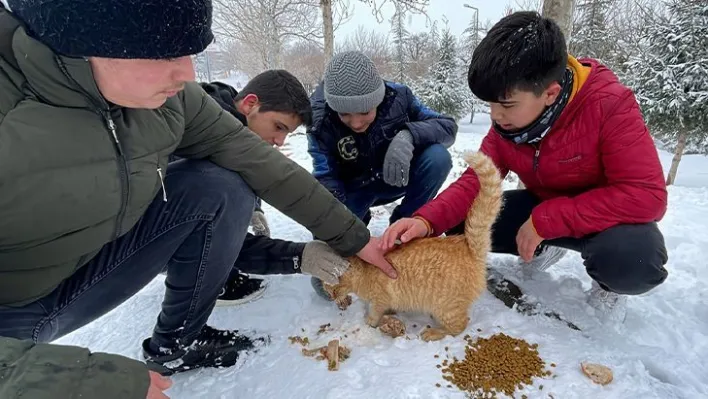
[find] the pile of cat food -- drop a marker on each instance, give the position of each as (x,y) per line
(494,365)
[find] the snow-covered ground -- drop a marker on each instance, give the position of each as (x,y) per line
(660,351)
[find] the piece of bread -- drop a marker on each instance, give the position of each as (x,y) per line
(598,373)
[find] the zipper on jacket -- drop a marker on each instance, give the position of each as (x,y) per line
(162,181)
(101,107)
(122,171)
(114,133)
(535,158)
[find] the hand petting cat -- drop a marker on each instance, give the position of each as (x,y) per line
(405,229)
(374,253)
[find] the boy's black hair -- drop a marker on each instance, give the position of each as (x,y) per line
(278,90)
(523,51)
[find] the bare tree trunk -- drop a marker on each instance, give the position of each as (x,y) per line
(680,146)
(560,11)
(328,29)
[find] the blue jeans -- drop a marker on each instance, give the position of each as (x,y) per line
(196,235)
(428,172)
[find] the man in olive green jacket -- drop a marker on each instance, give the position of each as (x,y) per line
(93,101)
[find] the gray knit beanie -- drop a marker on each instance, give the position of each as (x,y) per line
(352,83)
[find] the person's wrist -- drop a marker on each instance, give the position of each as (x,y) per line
(428,227)
(405,135)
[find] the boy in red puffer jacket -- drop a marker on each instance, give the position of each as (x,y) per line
(576,138)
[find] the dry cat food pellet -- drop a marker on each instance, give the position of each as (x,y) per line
(300,340)
(323,329)
(498,364)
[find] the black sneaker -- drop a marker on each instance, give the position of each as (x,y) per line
(241,289)
(212,348)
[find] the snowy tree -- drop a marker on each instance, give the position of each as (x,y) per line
(591,30)
(444,88)
(328,8)
(670,77)
(400,36)
(375,45)
(419,50)
(266,26)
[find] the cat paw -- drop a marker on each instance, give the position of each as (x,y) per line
(432,334)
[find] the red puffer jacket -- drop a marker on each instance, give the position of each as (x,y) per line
(596,168)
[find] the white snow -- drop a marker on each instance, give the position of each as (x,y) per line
(660,351)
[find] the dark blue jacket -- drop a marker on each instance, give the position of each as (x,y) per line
(343,159)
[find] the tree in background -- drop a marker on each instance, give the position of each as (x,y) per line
(305,60)
(419,49)
(591,30)
(400,36)
(444,88)
(375,45)
(266,26)
(328,8)
(670,77)
(560,11)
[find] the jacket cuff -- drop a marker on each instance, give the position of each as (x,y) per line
(404,134)
(131,378)
(353,241)
(545,226)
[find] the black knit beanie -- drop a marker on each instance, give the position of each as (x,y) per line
(148,29)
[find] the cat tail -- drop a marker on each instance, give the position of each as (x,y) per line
(486,206)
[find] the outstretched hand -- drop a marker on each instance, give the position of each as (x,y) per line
(527,240)
(405,229)
(374,253)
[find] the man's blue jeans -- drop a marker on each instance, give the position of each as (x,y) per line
(428,172)
(196,235)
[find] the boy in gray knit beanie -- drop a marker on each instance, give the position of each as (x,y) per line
(353,88)
(355,93)
(352,84)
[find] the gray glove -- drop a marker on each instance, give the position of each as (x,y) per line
(260,224)
(397,162)
(319,260)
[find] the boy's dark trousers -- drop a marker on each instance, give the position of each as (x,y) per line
(428,171)
(626,259)
(196,234)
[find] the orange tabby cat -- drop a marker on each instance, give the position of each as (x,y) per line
(441,276)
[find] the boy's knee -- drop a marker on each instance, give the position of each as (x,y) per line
(436,160)
(210,186)
(627,259)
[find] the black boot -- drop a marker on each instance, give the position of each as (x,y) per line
(211,348)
